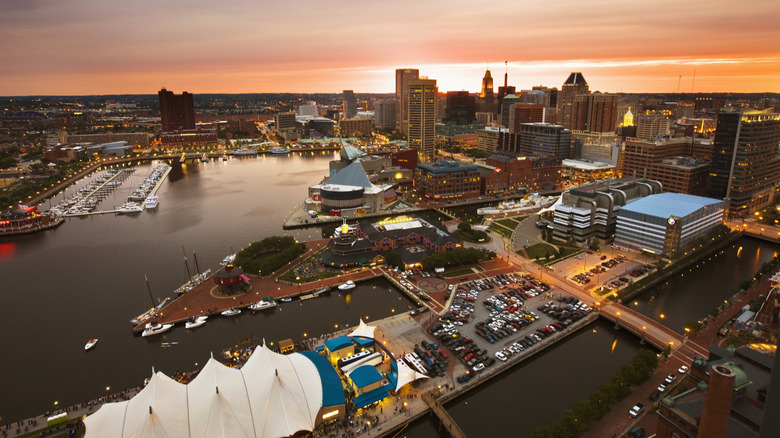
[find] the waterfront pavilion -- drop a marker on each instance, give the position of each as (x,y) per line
(272,395)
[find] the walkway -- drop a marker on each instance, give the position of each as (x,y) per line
(438,410)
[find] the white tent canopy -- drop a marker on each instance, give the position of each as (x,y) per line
(406,374)
(273,395)
(366,331)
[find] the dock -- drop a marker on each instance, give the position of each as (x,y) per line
(438,410)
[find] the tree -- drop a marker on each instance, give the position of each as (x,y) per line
(464,227)
(393,258)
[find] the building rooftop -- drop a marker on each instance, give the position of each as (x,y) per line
(669,204)
(447,166)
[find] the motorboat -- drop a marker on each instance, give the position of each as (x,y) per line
(129,208)
(279,151)
(228,259)
(151,202)
(286,300)
(231,312)
(204,158)
(195,321)
(154,328)
(244,152)
(348,285)
(91,343)
(263,304)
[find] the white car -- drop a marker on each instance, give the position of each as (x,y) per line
(479,367)
(500,356)
(636,410)
(683,369)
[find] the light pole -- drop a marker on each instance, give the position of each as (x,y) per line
(642,341)
(662,318)
(617,320)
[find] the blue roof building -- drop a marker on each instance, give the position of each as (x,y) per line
(667,223)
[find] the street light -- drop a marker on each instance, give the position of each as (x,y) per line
(662,318)
(617,320)
(642,341)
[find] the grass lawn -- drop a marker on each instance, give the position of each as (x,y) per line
(500,230)
(469,237)
(540,251)
(509,223)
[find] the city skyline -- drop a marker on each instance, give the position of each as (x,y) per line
(84,47)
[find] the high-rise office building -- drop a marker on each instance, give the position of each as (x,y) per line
(521,113)
(177,111)
(349,104)
(745,161)
(650,126)
(575,85)
(487,98)
(460,108)
(539,140)
(422,98)
(308,109)
(507,102)
(384,115)
(595,112)
(402,78)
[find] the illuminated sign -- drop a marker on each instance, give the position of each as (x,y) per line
(330,414)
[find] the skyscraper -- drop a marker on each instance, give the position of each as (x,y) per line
(177,112)
(575,85)
(349,104)
(422,98)
(488,99)
(745,161)
(402,78)
(595,112)
(460,108)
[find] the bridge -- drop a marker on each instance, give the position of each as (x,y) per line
(438,410)
(647,329)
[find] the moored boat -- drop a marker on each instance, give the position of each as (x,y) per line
(286,300)
(231,312)
(151,202)
(154,328)
(279,151)
(91,343)
(346,286)
(195,321)
(262,304)
(129,207)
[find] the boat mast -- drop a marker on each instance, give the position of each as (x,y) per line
(195,256)
(186,265)
(149,289)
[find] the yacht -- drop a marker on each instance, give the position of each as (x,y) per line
(263,304)
(346,286)
(244,152)
(286,300)
(228,259)
(151,202)
(279,151)
(195,321)
(91,343)
(231,312)
(129,207)
(204,158)
(154,328)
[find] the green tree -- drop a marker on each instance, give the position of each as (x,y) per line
(464,226)
(393,258)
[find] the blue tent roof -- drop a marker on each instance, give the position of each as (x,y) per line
(352,175)
(372,396)
(363,342)
(338,343)
(365,375)
(332,391)
(669,204)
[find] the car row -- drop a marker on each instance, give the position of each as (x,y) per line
(432,358)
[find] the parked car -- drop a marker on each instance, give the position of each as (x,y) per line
(670,378)
(683,369)
(633,412)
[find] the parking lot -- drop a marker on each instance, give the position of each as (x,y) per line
(612,268)
(505,314)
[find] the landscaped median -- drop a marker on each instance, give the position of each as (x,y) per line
(546,254)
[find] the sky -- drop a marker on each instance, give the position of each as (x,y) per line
(78,47)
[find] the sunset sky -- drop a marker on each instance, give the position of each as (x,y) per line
(75,47)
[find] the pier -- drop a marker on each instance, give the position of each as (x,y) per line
(438,410)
